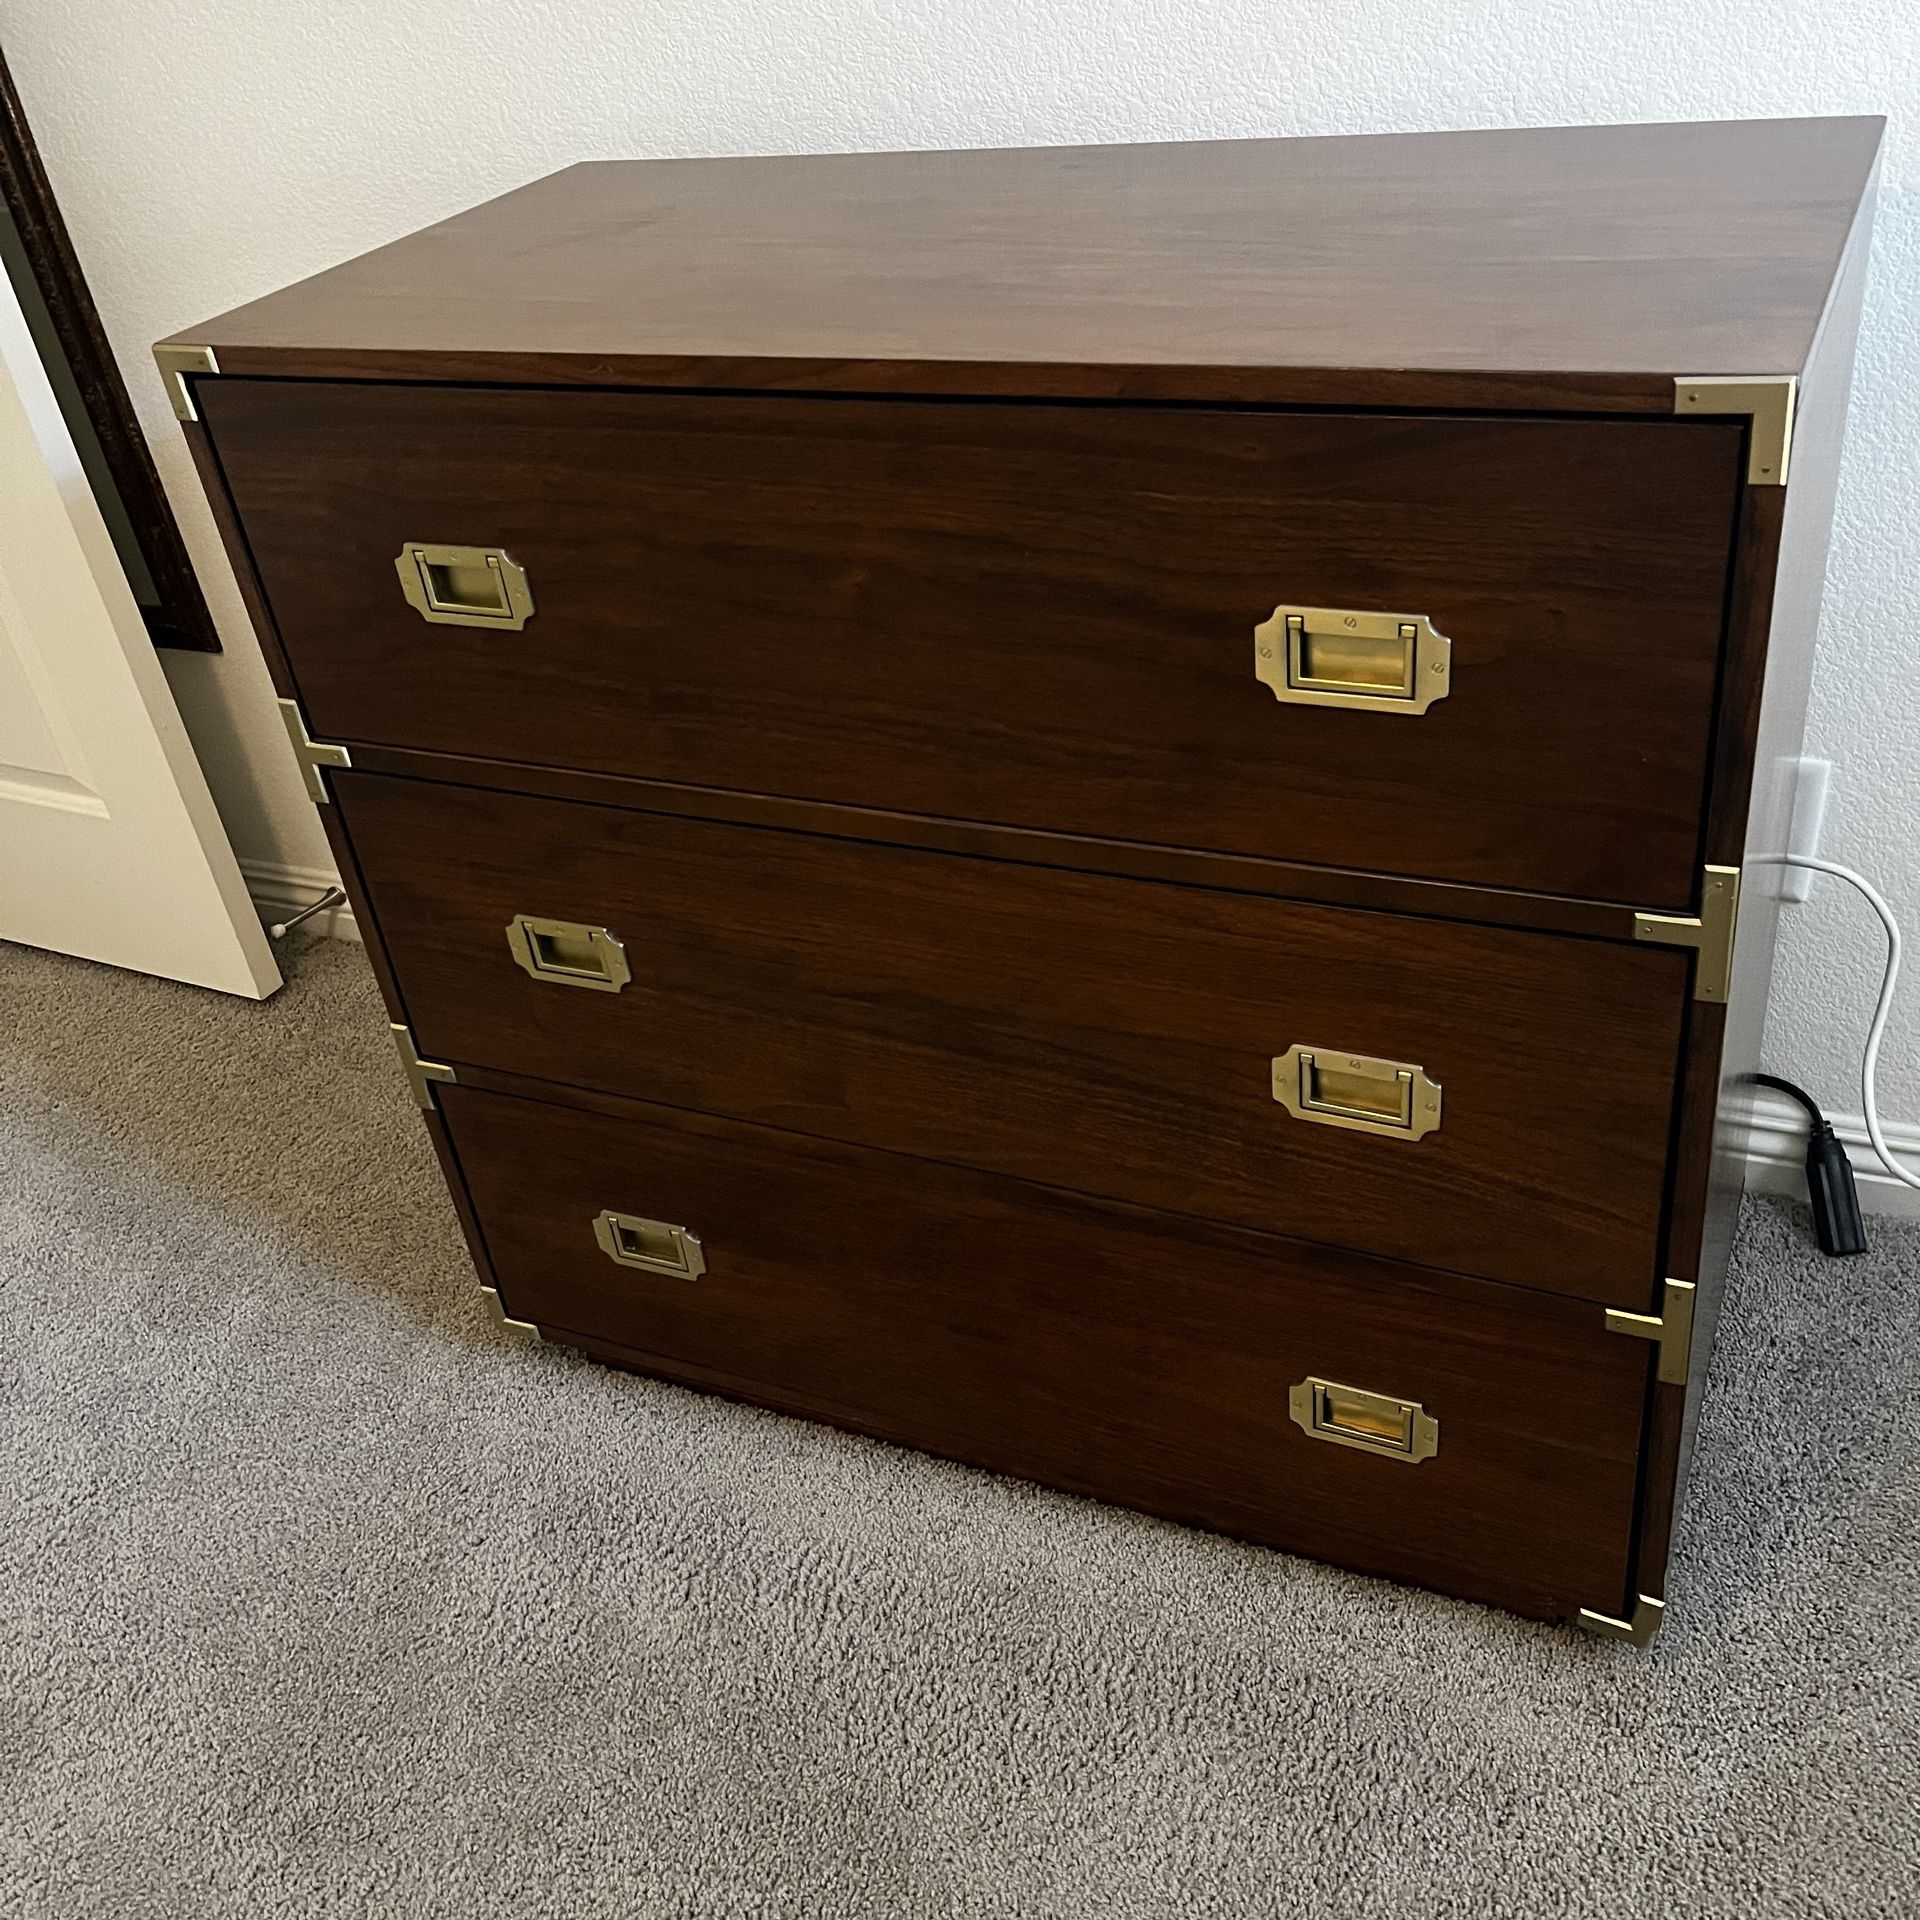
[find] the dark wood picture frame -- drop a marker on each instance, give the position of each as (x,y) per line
(119,462)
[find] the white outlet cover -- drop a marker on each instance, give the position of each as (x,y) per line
(1811,781)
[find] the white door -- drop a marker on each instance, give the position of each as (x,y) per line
(109,844)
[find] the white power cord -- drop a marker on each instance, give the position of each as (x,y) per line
(1870,1060)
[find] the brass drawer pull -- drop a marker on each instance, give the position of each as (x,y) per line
(568,953)
(464,586)
(654,1246)
(1353,1090)
(1370,1422)
(1336,657)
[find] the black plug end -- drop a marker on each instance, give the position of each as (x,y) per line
(1837,1225)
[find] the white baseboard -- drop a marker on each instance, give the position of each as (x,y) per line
(1772,1139)
(279,889)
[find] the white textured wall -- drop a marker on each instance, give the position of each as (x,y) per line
(205,154)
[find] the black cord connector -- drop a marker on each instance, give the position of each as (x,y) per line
(1837,1224)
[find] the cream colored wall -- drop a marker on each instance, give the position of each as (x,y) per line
(205,154)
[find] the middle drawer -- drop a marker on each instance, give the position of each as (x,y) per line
(1273,1064)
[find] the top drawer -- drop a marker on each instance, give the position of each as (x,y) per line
(1040,616)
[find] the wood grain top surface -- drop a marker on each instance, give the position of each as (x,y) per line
(1556,267)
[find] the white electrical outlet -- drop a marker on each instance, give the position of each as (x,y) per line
(1811,780)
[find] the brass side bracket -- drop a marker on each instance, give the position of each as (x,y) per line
(311,753)
(419,1072)
(1768,403)
(175,364)
(1671,1329)
(499,1310)
(1638,1628)
(1710,932)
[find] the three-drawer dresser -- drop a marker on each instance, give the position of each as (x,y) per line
(1103,810)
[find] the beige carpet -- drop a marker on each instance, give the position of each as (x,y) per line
(319,1596)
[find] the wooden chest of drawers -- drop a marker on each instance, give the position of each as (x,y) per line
(1103,810)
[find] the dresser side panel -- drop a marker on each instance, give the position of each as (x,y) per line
(1775,612)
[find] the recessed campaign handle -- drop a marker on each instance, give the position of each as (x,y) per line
(1371,1422)
(1393,1097)
(654,1246)
(464,586)
(1343,657)
(568,953)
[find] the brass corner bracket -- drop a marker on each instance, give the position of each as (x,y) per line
(498,1308)
(1638,1628)
(1671,1329)
(175,364)
(1768,403)
(311,753)
(419,1072)
(1710,932)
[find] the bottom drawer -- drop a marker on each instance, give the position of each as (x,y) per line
(1472,1437)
